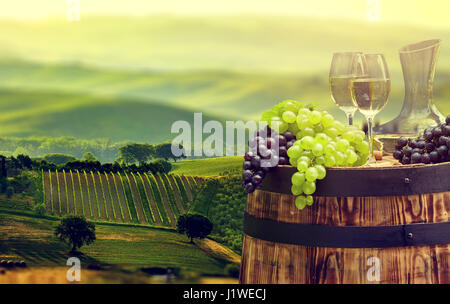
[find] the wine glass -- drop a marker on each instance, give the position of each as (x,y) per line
(341,72)
(370,88)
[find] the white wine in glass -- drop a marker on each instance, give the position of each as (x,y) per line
(371,94)
(341,74)
(370,91)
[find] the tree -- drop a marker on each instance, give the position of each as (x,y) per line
(58,158)
(25,160)
(194,226)
(164,151)
(9,191)
(75,231)
(89,157)
(140,153)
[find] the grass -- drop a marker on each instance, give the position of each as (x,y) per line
(31,239)
(129,197)
(182,190)
(158,199)
(208,166)
(170,195)
(144,197)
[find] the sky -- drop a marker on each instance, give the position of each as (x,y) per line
(431,13)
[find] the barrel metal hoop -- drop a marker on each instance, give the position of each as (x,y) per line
(360,182)
(419,234)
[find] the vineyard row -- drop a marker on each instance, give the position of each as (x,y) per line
(141,198)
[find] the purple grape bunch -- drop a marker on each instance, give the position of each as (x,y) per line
(430,148)
(267,150)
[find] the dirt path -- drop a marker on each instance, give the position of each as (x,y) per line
(47,199)
(151,201)
(92,197)
(108,202)
(84,193)
(187,186)
(122,198)
(177,193)
(71,209)
(115,198)
(54,185)
(63,192)
(137,200)
(173,221)
(215,249)
(78,197)
(101,198)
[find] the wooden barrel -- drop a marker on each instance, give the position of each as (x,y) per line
(367,225)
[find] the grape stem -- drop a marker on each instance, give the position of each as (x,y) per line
(350,118)
(370,135)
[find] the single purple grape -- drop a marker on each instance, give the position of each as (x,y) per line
(247,165)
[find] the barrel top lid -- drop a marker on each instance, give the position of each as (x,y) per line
(388,162)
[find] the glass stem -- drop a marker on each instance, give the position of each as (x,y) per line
(350,118)
(370,134)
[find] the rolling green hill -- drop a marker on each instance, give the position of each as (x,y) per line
(131,78)
(208,166)
(49,113)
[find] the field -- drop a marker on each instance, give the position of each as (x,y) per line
(118,248)
(121,197)
(208,166)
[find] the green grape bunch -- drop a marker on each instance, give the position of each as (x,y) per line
(322,142)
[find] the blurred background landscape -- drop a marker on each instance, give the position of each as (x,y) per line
(126,72)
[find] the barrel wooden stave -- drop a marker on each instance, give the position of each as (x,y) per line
(266,262)
(270,262)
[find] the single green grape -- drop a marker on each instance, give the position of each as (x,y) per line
(305,158)
(351,157)
(283,127)
(293,128)
(311,174)
(307,154)
(309,200)
(339,126)
(294,151)
(327,120)
(315,117)
(296,189)
(330,161)
(322,139)
(291,106)
(308,132)
(289,117)
(342,145)
(317,149)
(322,172)
(305,123)
(329,149)
(363,147)
(309,187)
(304,111)
(349,135)
(300,202)
(332,132)
(340,158)
(307,142)
(293,162)
(297,143)
(298,178)
(320,160)
(319,128)
(302,166)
